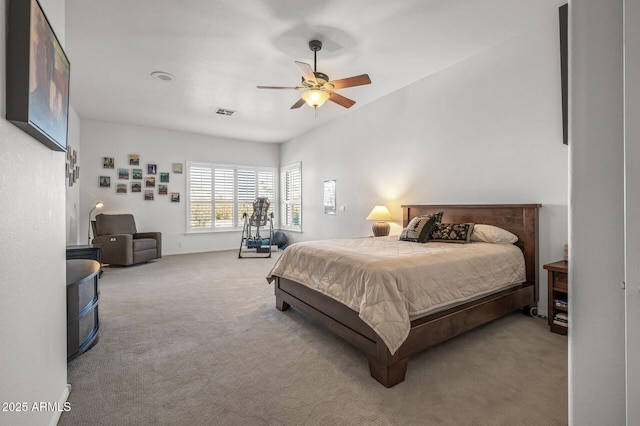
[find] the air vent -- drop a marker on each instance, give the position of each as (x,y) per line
(223,111)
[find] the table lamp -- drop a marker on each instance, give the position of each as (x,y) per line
(97,205)
(380,214)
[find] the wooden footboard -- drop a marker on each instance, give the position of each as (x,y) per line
(425,332)
(430,330)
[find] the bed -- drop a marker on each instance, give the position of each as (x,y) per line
(373,332)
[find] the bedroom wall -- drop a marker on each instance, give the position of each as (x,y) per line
(485,130)
(632,207)
(33,349)
(596,268)
(163,148)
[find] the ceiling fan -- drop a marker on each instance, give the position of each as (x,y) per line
(317,86)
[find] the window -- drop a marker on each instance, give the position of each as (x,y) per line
(199,193)
(291,197)
(218,195)
(223,197)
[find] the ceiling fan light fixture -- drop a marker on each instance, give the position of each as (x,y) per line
(315,97)
(319,88)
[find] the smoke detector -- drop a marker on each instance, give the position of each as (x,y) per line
(161,75)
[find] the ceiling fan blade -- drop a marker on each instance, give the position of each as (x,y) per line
(357,80)
(298,104)
(307,72)
(341,100)
(280,87)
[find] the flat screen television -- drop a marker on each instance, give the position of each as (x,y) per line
(37,75)
(564,18)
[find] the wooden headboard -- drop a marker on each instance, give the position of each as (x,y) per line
(520,219)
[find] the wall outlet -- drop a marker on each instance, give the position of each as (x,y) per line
(180,244)
(343,208)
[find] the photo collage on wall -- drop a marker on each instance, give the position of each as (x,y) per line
(133,178)
(72,169)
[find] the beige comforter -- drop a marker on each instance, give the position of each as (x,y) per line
(386,281)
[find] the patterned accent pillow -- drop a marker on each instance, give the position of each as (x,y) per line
(452,232)
(419,228)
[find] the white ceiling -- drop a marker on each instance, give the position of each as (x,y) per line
(219,50)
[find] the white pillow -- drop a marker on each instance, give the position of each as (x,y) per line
(492,234)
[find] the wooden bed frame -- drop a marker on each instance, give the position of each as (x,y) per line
(520,219)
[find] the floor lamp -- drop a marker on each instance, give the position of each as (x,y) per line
(97,205)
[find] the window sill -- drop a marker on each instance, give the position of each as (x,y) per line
(213,231)
(223,230)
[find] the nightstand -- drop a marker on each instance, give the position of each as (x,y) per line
(558,292)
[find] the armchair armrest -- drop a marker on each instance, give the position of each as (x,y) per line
(117,249)
(156,236)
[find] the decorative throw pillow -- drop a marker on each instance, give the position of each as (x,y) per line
(492,234)
(452,232)
(419,228)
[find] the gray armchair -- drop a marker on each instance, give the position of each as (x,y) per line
(121,244)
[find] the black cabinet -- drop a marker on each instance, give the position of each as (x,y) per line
(85,251)
(82,306)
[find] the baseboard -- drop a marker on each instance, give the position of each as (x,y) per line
(169,253)
(177,253)
(55,418)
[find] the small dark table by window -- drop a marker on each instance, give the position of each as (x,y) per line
(85,251)
(82,306)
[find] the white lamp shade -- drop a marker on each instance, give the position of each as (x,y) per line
(315,97)
(380,213)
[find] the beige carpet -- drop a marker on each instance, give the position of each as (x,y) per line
(196,340)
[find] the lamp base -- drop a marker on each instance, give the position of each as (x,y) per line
(380,229)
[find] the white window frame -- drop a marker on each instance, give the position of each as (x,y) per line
(286,203)
(236,222)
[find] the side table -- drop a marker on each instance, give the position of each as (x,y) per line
(82,306)
(558,296)
(85,251)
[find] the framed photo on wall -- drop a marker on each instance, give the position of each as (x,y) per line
(108,163)
(37,79)
(329,197)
